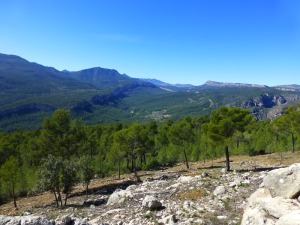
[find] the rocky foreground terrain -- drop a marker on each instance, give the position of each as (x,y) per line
(203,195)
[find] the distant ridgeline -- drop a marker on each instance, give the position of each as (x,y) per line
(30,92)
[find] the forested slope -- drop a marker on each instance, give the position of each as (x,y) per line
(66,151)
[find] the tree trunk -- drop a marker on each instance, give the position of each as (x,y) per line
(66,198)
(86,189)
(59,197)
(91,154)
(56,199)
(293,143)
(127,163)
(141,160)
(145,158)
(119,169)
(227,158)
(14,196)
(138,179)
(132,166)
(15,202)
(186,160)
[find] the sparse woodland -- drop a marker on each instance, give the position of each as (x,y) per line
(66,151)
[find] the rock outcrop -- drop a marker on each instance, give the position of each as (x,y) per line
(24,220)
(265,100)
(119,197)
(276,202)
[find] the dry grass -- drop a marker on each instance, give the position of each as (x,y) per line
(26,204)
(192,194)
(237,163)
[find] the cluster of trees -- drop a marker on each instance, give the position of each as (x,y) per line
(65,151)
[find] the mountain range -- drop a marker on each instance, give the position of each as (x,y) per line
(30,92)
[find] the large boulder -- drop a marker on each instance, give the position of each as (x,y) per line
(292,218)
(220,190)
(64,220)
(5,219)
(95,202)
(185,179)
(119,197)
(168,220)
(24,220)
(284,182)
(151,203)
(275,202)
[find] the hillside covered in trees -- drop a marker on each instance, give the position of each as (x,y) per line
(66,151)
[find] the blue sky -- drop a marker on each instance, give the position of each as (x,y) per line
(176,41)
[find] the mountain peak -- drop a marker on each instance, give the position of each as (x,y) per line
(99,76)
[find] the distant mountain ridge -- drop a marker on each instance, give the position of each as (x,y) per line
(19,75)
(292,87)
(161,83)
(29,92)
(215,84)
(224,84)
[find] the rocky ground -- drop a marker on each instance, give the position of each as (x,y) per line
(206,194)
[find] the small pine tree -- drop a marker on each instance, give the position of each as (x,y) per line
(10,175)
(49,177)
(86,171)
(69,177)
(57,176)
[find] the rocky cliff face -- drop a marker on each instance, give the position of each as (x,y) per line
(265,100)
(266,105)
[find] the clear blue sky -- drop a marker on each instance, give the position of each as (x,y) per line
(176,41)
